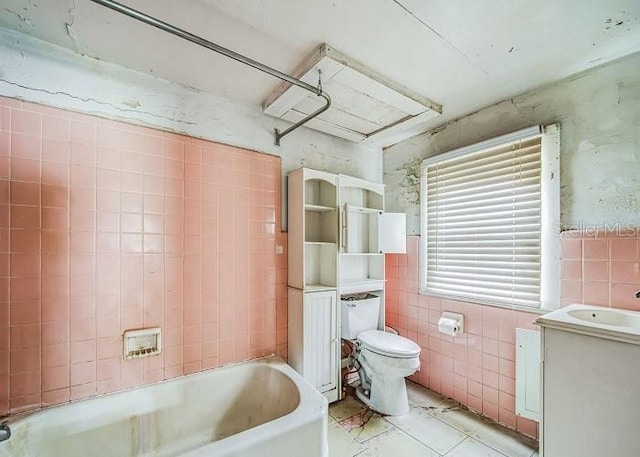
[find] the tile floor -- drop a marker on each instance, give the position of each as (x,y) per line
(434,427)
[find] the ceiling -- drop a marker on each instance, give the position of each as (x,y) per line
(464,55)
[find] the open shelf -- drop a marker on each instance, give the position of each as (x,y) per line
(361,271)
(320,211)
(347,282)
(320,193)
(318,287)
(320,264)
(360,254)
(362,198)
(362,209)
(361,285)
(319,208)
(359,230)
(321,226)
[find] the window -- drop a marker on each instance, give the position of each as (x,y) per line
(490,221)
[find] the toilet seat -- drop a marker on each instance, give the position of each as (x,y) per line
(388,344)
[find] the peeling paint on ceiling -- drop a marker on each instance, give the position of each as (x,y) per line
(466,55)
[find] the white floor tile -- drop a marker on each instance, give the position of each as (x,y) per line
(428,430)
(396,443)
(506,441)
(473,448)
(341,443)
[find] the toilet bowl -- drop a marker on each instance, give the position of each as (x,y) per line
(385,359)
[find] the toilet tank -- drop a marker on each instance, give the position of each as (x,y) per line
(359,312)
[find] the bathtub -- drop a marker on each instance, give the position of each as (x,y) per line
(259,408)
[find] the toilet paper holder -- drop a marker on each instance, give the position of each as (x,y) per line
(455,317)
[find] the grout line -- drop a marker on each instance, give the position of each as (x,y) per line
(94,297)
(67,342)
(40,264)
(8,294)
(404,432)
(421,442)
(458,444)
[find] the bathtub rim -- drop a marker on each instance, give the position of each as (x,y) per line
(273,360)
(312,407)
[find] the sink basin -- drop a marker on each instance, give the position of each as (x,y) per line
(610,323)
(610,317)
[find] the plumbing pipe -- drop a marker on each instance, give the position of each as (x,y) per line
(135,14)
(5,432)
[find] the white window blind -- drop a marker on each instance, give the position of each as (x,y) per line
(482,215)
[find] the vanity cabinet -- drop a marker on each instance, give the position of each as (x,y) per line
(590,371)
(338,235)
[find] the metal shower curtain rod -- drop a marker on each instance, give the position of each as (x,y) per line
(135,14)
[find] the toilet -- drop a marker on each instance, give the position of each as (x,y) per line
(384,359)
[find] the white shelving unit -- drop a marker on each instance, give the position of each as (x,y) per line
(338,234)
(313,279)
(361,255)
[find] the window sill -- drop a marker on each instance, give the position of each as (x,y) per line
(492,305)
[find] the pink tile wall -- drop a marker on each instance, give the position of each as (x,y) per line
(477,368)
(601,268)
(106,227)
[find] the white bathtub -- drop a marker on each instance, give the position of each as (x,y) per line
(260,408)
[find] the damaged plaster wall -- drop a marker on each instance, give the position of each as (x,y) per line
(41,72)
(599,113)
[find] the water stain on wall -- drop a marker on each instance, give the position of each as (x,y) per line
(599,144)
(409,191)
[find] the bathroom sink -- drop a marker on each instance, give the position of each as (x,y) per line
(610,317)
(611,323)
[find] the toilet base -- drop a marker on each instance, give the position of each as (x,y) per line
(389,398)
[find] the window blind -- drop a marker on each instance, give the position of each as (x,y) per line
(482,222)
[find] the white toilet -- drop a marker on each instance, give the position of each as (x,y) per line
(384,358)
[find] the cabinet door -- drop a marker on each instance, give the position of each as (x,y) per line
(373,232)
(320,339)
(528,374)
(392,233)
(356,226)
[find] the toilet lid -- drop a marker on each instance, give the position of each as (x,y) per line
(388,344)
